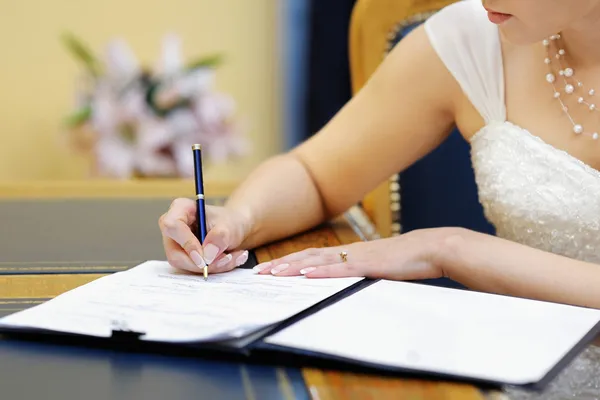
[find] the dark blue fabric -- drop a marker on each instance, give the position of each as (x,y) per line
(440,190)
(328,77)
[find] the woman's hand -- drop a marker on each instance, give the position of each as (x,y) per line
(227,230)
(411,256)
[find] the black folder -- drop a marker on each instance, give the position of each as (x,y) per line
(261,344)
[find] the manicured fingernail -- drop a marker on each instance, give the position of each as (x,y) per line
(307,270)
(224,261)
(261,267)
(197,259)
(241,259)
(279,268)
(210,252)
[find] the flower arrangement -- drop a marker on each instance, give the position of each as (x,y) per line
(137,122)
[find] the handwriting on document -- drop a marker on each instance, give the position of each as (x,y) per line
(169,305)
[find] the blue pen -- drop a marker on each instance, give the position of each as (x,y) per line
(200,206)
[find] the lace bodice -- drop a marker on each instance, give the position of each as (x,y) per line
(532,192)
(536,194)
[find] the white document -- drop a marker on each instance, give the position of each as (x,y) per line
(440,330)
(173,306)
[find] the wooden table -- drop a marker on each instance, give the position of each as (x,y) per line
(26,289)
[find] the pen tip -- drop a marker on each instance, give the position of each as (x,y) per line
(205,273)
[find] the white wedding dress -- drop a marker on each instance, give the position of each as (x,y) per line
(532,192)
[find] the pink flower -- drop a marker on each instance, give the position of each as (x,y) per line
(114,157)
(121,64)
(132,138)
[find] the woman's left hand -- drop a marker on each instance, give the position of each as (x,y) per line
(410,256)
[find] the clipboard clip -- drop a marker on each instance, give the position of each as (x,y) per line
(120,331)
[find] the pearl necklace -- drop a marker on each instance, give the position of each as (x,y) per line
(571,84)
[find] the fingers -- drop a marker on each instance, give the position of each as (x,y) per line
(339,270)
(217,240)
(177,257)
(283,262)
(313,263)
(294,267)
(227,262)
(180,243)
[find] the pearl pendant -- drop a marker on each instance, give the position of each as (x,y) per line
(569,88)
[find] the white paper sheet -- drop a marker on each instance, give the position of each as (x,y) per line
(173,306)
(431,329)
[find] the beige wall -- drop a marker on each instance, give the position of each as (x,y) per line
(37,74)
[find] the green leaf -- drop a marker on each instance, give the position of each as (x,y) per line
(82,53)
(207,61)
(79,117)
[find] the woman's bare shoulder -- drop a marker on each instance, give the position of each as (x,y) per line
(403,112)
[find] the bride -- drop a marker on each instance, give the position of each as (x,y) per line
(517,78)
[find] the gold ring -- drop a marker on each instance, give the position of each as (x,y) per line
(344,256)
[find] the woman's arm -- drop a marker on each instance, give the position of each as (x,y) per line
(405,110)
(479,261)
(491,264)
(402,113)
